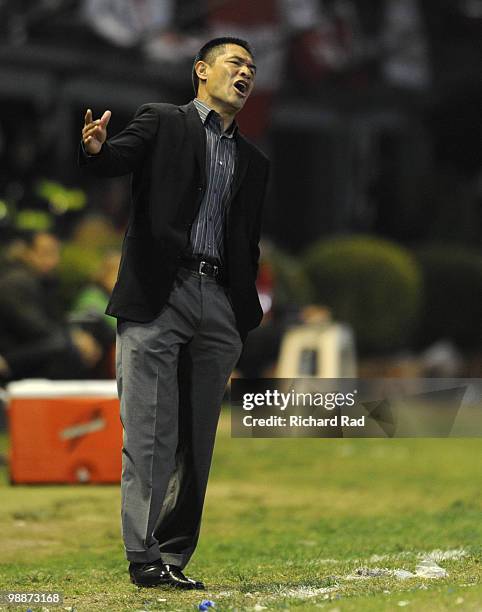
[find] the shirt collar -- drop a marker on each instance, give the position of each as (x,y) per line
(205,112)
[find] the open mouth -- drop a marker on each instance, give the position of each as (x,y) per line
(241,87)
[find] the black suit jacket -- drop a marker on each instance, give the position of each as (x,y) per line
(164,147)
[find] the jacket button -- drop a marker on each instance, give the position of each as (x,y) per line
(199,188)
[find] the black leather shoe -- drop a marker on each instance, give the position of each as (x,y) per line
(177,579)
(156,573)
(150,573)
(147,574)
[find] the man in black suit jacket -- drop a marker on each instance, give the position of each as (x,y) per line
(185,297)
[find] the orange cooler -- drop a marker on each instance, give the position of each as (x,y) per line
(64,432)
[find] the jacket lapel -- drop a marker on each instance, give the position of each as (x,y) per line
(197,136)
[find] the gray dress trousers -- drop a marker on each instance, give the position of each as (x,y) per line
(171,377)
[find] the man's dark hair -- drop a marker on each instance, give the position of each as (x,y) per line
(209,51)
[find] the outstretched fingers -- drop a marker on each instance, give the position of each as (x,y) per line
(95,131)
(104,120)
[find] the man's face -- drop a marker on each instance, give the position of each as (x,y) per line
(44,254)
(229,79)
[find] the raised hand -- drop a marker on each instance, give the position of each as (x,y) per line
(94,133)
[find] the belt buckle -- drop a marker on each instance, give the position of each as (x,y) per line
(214,267)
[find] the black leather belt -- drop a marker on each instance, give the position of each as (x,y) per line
(206,268)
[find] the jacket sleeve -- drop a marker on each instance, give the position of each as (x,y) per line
(124,152)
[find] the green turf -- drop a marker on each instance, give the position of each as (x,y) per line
(284,519)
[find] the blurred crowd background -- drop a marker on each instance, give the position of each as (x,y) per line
(370,113)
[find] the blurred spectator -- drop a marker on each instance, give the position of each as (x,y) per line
(125,22)
(354,43)
(155,26)
(261,349)
(34,342)
(406,49)
(442,360)
(92,300)
(88,310)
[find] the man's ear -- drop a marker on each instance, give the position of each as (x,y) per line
(201,69)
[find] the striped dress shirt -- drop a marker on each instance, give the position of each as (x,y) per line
(207,232)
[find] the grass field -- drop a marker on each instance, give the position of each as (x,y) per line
(287,525)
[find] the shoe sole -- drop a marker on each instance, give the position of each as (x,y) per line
(172,585)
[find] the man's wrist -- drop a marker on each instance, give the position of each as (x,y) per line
(86,153)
